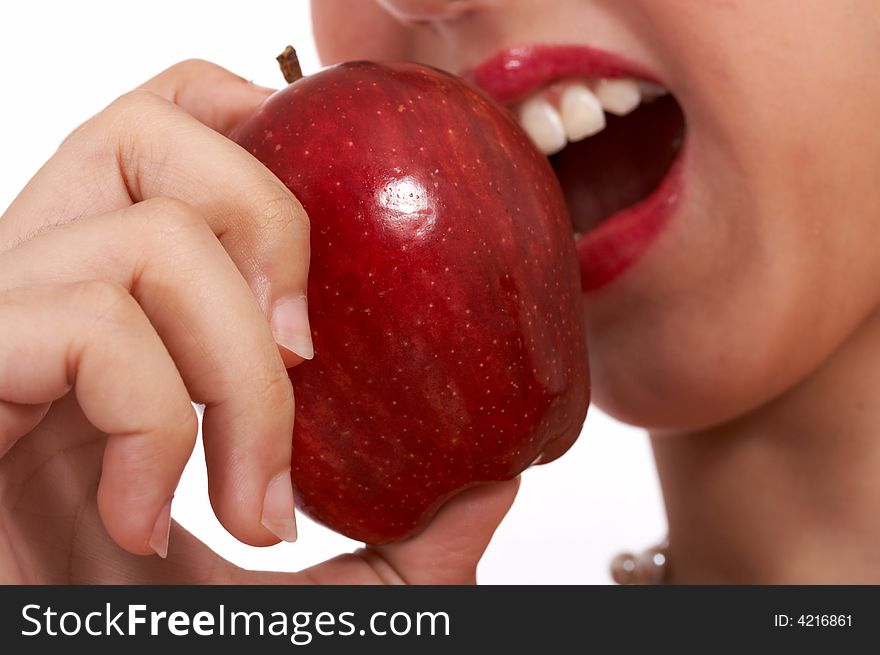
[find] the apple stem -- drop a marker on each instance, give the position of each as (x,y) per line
(289,63)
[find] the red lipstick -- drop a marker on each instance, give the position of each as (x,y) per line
(619,240)
(512,74)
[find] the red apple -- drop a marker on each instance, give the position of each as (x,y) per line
(444,294)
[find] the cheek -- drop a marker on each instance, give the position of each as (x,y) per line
(347,30)
(769,267)
(772,264)
(701,339)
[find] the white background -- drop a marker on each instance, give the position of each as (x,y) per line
(61,62)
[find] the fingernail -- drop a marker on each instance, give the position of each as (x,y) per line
(290,326)
(278,517)
(161,531)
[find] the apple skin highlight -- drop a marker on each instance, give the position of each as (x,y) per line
(444,294)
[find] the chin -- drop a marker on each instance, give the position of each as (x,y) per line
(659,391)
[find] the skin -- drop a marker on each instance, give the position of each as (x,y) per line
(106,336)
(747,339)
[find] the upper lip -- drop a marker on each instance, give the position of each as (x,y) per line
(512,74)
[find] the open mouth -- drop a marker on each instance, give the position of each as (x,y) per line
(611,142)
(621,165)
(613,137)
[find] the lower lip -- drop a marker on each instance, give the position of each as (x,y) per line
(621,240)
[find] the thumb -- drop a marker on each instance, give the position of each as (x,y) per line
(449,549)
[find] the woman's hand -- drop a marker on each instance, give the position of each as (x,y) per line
(150,263)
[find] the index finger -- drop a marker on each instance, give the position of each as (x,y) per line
(144,146)
(209,93)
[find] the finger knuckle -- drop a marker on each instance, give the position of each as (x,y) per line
(150,448)
(282,213)
(101,292)
(166,222)
(131,105)
(120,117)
(276,392)
(104,299)
(192,68)
(121,124)
(170,214)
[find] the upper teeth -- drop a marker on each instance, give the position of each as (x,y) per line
(553,118)
(581,112)
(543,124)
(619,97)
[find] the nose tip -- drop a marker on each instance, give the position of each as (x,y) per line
(429,10)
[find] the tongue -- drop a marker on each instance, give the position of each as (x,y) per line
(622,164)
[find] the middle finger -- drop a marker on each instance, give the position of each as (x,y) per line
(165,254)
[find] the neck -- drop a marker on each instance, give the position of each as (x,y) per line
(789,493)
